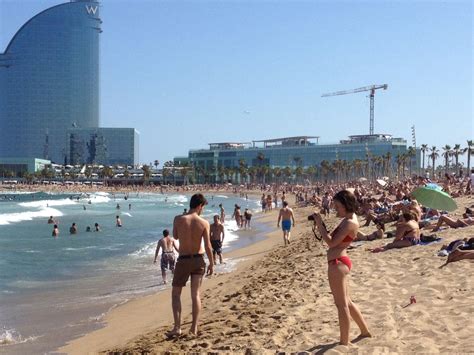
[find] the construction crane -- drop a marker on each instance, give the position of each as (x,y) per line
(370,88)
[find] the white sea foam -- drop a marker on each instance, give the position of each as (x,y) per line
(8,218)
(11,336)
(221,196)
(127,214)
(145,251)
(47,203)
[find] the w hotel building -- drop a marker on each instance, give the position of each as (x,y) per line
(49,84)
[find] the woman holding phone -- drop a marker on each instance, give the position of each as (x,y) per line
(339,263)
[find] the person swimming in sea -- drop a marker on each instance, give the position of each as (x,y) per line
(55,232)
(118,222)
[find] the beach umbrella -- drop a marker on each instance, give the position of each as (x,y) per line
(381,182)
(433,197)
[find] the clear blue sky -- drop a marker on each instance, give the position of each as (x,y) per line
(183,73)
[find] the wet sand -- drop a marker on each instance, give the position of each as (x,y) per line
(278,299)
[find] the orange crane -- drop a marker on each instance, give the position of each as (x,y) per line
(370,88)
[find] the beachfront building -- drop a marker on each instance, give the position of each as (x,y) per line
(14,167)
(49,81)
(378,154)
(105,146)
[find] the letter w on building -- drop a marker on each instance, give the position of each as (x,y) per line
(91,9)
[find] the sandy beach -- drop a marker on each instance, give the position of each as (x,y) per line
(278,299)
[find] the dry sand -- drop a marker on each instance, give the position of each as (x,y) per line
(279,300)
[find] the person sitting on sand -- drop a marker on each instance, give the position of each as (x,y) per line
(453,223)
(407,233)
(378,234)
(286,216)
(339,263)
(55,231)
(458,255)
(192,231)
(217,235)
(167,255)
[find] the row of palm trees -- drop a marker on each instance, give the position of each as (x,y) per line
(447,153)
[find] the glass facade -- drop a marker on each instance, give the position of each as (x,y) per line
(49,81)
(106,146)
(284,153)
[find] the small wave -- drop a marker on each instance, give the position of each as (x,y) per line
(127,214)
(145,251)
(221,196)
(8,218)
(47,203)
(11,337)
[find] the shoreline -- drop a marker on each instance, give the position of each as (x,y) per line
(132,318)
(279,300)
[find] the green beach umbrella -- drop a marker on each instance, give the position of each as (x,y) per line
(434,197)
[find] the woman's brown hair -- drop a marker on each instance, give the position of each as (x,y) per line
(347,199)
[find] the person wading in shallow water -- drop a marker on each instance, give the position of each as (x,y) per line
(167,255)
(217,235)
(339,263)
(191,231)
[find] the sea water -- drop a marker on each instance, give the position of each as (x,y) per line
(54,289)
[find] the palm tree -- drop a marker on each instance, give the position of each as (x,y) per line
(411,152)
(146,174)
(399,158)
(126,175)
(156,163)
(434,155)
(287,172)
(252,171)
(298,173)
(325,168)
(277,172)
(446,154)
(456,152)
(311,172)
(470,146)
(243,170)
(424,149)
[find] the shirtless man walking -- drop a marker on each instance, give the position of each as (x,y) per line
(167,254)
(190,230)
(286,216)
(217,238)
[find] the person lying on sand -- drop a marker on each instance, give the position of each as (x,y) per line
(378,234)
(453,223)
(459,254)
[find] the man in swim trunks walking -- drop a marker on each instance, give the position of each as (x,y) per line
(286,216)
(217,238)
(167,254)
(190,230)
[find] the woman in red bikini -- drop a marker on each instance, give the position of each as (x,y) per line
(339,264)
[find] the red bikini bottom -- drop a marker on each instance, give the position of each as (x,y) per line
(342,259)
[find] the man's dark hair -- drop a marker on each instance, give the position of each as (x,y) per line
(197,200)
(347,199)
(166,233)
(285,203)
